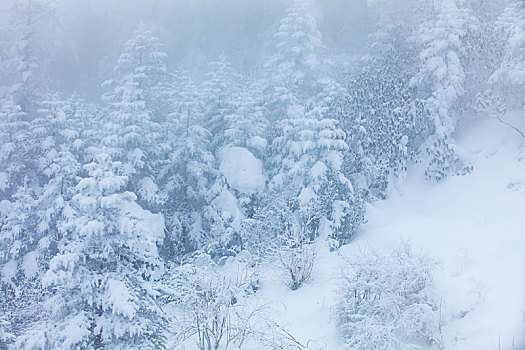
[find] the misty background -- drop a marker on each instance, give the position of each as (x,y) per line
(80,41)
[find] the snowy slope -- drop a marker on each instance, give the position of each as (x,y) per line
(473,225)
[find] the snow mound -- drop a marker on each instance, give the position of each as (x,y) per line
(242,170)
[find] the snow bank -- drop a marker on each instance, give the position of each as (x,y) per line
(242,170)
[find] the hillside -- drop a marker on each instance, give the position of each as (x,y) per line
(473,225)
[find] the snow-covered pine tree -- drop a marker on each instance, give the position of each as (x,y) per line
(441,83)
(135,133)
(24,74)
(385,123)
(31,148)
(188,180)
(338,199)
(246,136)
(22,87)
(247,125)
(484,49)
(15,136)
(39,168)
(30,232)
(102,281)
(307,151)
(217,96)
(144,61)
(58,158)
(292,71)
(22,242)
(20,283)
(188,172)
(288,82)
(233,118)
(312,150)
(509,77)
(393,22)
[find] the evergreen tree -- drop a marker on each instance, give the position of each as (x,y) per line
(385,123)
(189,171)
(484,50)
(30,232)
(14,136)
(23,73)
(312,148)
(441,80)
(247,125)
(509,77)
(217,98)
(135,131)
(293,69)
(188,180)
(103,278)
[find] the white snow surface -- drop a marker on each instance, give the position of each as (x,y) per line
(242,170)
(229,207)
(473,225)
(30,264)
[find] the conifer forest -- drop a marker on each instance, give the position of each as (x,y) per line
(262,174)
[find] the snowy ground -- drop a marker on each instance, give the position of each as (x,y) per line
(473,225)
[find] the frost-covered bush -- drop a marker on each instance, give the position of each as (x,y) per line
(212,302)
(215,305)
(285,236)
(388,302)
(296,257)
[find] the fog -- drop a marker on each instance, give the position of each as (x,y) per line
(80,41)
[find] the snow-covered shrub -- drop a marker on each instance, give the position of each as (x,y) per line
(285,236)
(215,304)
(388,302)
(212,302)
(296,257)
